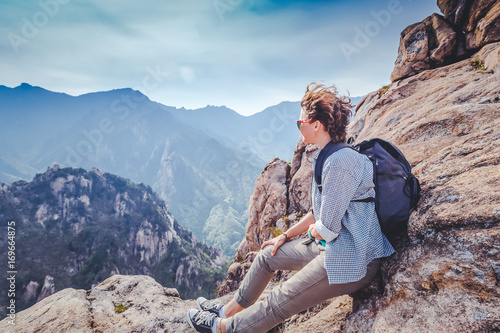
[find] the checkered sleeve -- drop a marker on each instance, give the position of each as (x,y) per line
(339,186)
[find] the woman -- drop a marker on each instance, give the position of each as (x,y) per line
(350,230)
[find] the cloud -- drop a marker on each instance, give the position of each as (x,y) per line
(258,54)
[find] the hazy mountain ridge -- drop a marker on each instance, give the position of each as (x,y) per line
(200,161)
(81,227)
(122,132)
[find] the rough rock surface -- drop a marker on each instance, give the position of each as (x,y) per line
(446,121)
(299,192)
(327,318)
(479,19)
(119,304)
(448,281)
(270,186)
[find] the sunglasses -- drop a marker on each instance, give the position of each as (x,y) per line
(300,122)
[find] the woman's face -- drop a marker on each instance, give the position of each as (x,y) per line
(307,129)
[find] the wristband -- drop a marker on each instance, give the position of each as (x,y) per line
(286,237)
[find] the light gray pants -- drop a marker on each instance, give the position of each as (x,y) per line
(305,289)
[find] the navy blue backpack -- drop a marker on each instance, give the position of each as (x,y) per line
(397,190)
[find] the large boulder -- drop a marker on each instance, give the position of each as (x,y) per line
(483,28)
(425,45)
(454,11)
(446,121)
(479,19)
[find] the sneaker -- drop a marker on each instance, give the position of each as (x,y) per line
(202,321)
(210,306)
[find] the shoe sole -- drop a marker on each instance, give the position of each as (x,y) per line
(189,321)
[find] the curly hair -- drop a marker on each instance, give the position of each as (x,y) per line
(323,103)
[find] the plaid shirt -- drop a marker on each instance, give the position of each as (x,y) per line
(351,229)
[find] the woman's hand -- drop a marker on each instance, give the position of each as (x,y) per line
(314,232)
(276,241)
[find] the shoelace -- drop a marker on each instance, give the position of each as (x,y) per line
(204,318)
(211,305)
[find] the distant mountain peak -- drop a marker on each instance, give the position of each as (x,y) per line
(119,91)
(25,85)
(28,87)
(216,107)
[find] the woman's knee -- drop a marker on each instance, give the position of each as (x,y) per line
(266,251)
(264,257)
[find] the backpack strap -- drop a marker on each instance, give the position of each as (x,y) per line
(329,149)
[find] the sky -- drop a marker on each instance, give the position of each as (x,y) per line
(244,54)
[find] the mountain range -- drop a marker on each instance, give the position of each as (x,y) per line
(203,162)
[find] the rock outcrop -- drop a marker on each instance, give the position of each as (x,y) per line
(467,25)
(428,44)
(119,304)
(270,186)
(48,288)
(478,19)
(299,191)
(77,228)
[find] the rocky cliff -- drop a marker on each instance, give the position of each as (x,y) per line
(76,228)
(445,118)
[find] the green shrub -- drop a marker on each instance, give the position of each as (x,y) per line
(383,90)
(477,64)
(275,232)
(120,308)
